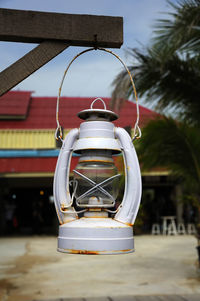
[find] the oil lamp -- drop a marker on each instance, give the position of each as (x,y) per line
(94,187)
(90,221)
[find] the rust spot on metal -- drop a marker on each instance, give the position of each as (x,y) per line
(95,160)
(84,252)
(87,252)
(59,218)
(63,208)
(128,250)
(129,224)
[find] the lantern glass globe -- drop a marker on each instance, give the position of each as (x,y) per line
(97,179)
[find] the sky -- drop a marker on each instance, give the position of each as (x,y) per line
(92,73)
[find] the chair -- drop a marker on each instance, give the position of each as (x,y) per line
(171,230)
(181,229)
(191,229)
(155,229)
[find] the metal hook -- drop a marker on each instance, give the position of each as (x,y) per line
(58,134)
(137,132)
(95,42)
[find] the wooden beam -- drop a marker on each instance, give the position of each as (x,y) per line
(29,63)
(78,30)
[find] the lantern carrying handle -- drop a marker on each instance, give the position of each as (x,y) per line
(136,130)
(96,99)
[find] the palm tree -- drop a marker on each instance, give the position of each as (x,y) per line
(175,146)
(179,150)
(167,73)
(181,31)
(170,84)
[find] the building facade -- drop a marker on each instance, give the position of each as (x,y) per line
(28,155)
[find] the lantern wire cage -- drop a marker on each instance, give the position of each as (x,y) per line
(136,131)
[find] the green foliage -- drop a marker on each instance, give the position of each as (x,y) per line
(167,73)
(181,30)
(171,83)
(174,145)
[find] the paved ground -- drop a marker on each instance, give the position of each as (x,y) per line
(137,298)
(31,269)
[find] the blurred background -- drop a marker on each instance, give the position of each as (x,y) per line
(161,48)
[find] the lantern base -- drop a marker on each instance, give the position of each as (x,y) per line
(99,236)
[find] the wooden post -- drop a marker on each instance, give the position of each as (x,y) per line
(29,63)
(77,30)
(55,32)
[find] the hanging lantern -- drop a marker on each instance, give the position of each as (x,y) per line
(90,222)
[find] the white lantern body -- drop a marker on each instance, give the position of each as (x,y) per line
(95,185)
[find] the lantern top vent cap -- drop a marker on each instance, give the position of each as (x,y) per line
(97,114)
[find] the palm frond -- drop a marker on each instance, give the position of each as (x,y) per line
(167,83)
(174,145)
(180,29)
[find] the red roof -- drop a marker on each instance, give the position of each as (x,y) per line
(15,104)
(26,165)
(39,113)
(42,111)
(37,165)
